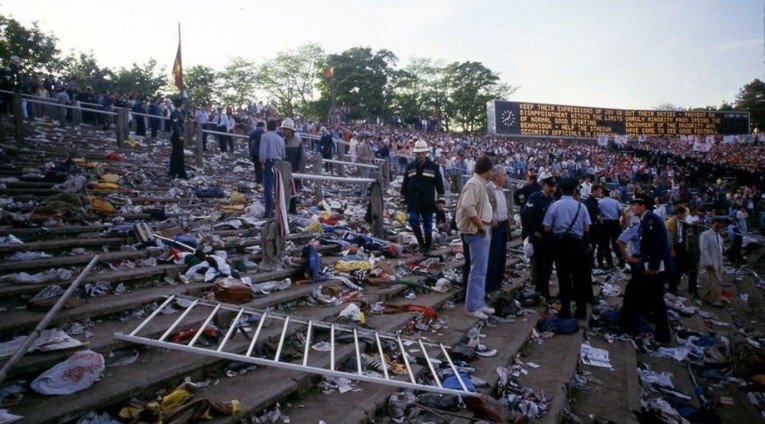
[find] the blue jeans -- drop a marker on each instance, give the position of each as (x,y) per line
(427,223)
(268,187)
(479,259)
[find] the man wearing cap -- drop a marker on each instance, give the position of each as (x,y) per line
(644,294)
(293,146)
(711,261)
(421,182)
(500,227)
(524,193)
(569,223)
(532,215)
(271,151)
(473,218)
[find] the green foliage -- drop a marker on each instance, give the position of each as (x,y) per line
(238,82)
(37,50)
(290,78)
(469,85)
(144,81)
(200,82)
(83,68)
(418,89)
(359,81)
(751,97)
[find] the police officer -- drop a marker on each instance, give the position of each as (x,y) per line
(610,211)
(644,294)
(569,223)
(524,193)
(421,182)
(532,215)
(177,140)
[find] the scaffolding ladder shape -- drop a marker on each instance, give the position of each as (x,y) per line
(305,330)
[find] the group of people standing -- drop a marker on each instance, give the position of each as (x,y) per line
(483,220)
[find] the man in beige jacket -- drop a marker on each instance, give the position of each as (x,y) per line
(474,215)
(711,261)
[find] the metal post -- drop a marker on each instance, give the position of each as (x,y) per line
(318,166)
(376,206)
(18,118)
(22,350)
(200,137)
(121,126)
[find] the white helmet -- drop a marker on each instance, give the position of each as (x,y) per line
(421,146)
(288,124)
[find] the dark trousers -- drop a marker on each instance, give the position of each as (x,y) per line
(495,271)
(177,163)
(542,263)
(268,186)
(609,235)
(258,169)
(573,281)
(644,296)
(681,267)
(140,125)
(154,124)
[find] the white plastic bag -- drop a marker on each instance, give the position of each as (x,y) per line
(77,373)
(528,248)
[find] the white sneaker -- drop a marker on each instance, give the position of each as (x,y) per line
(477,314)
(488,310)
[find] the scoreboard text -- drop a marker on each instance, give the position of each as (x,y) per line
(578,121)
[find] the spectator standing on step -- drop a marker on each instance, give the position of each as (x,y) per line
(500,228)
(254,145)
(473,218)
(421,183)
(271,151)
(711,248)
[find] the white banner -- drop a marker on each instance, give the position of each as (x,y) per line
(620,140)
(603,140)
(705,145)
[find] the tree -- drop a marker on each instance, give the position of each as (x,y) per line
(238,82)
(200,82)
(291,77)
(37,50)
(84,70)
(470,85)
(751,97)
(144,81)
(358,81)
(415,89)
(668,106)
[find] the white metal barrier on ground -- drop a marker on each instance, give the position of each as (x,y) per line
(320,363)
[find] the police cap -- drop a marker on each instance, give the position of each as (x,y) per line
(551,181)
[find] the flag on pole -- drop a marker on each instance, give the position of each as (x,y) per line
(178,64)
(329,72)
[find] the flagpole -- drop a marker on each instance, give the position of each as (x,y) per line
(179,48)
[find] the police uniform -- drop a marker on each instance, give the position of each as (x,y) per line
(610,211)
(421,182)
(177,163)
(569,222)
(644,294)
(532,215)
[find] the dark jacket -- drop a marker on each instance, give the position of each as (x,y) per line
(255,141)
(421,182)
(523,194)
(654,244)
(533,213)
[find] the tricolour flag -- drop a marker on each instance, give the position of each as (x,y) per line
(178,68)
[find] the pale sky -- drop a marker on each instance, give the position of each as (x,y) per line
(634,54)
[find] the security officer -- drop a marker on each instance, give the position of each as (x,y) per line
(524,193)
(644,294)
(421,182)
(610,211)
(569,223)
(532,215)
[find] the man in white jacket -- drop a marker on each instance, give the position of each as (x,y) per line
(711,261)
